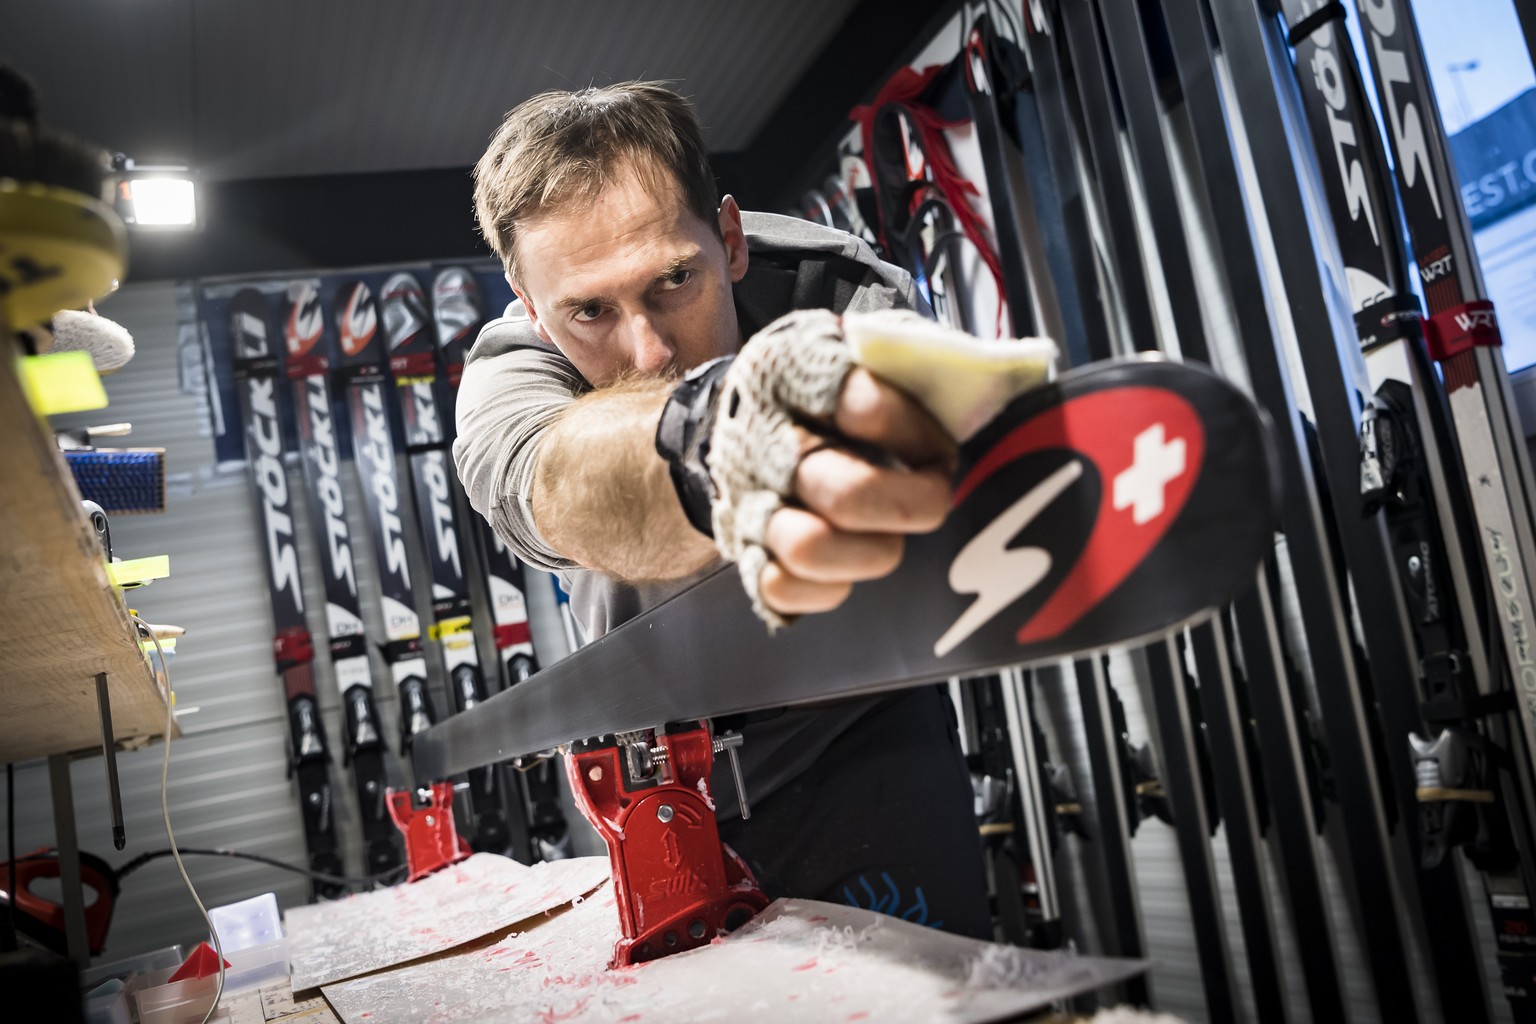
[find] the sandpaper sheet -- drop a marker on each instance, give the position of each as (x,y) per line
(471,899)
(799,960)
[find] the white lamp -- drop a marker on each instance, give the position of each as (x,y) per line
(158,197)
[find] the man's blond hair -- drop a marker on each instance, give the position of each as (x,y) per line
(560,149)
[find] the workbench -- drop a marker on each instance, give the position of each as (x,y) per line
(69,654)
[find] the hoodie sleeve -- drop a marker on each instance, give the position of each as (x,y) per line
(507,401)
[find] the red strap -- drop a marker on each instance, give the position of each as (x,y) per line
(306,364)
(293,646)
(415,364)
(1453,331)
(904,87)
(512,634)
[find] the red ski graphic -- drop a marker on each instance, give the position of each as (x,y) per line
(1146,443)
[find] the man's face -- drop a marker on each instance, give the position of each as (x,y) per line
(634,283)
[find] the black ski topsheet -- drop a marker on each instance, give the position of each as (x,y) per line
(1463,337)
(308,366)
(1119,503)
(256,373)
(458,312)
(360,366)
(413,366)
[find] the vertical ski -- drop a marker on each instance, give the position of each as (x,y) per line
(359,369)
(458,312)
(308,366)
(256,375)
(413,367)
(1374,849)
(1463,337)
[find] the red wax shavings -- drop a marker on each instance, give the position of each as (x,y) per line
(552,1016)
(819,919)
(807,965)
(632,1016)
(861,1015)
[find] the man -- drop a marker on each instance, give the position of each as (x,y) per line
(630,272)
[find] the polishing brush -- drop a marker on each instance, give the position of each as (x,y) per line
(65,246)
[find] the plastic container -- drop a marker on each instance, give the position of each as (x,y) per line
(182,1002)
(256,966)
(144,963)
(249,923)
(251,934)
(107,1003)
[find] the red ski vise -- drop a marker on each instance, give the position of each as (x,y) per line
(431,842)
(647,794)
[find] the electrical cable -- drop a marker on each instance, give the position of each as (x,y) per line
(9,944)
(186,851)
(358,881)
(165,813)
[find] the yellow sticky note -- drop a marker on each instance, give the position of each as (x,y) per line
(61,382)
(139,570)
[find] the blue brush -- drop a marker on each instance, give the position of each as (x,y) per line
(120,480)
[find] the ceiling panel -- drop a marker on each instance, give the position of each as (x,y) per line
(304,87)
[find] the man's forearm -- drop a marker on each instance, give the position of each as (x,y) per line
(603,497)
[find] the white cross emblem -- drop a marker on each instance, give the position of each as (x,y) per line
(1157,463)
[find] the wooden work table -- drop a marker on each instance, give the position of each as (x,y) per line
(61,621)
(63,627)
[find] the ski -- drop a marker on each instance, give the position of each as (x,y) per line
(1374,847)
(1463,337)
(359,370)
(413,368)
(458,312)
(256,377)
(308,367)
(930,243)
(1405,442)
(1082,427)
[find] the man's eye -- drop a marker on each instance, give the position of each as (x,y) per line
(586,314)
(677,279)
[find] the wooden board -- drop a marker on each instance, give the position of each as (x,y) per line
(466,901)
(63,622)
(799,960)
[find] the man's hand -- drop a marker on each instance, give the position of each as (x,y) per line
(848,516)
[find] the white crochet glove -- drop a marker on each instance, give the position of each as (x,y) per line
(793,371)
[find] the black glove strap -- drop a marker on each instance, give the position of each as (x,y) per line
(682,438)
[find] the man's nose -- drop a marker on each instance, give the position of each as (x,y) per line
(650,351)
